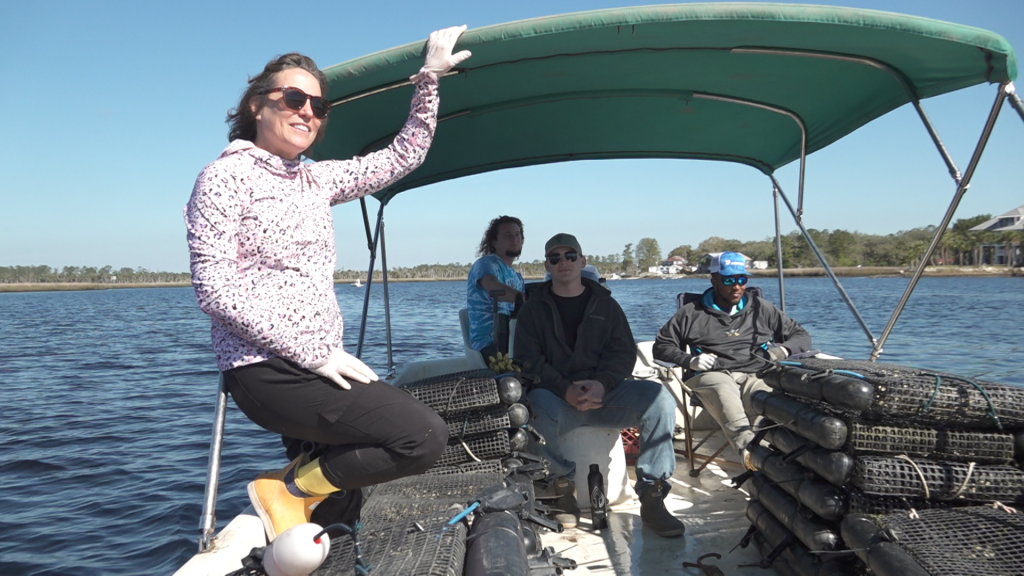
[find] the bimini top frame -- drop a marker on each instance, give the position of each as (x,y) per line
(758,84)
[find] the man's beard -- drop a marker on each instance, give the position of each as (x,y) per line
(513,253)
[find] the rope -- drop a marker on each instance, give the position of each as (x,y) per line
(760,428)
(935,393)
(468,451)
(849,373)
(960,490)
(451,396)
(924,484)
(984,394)
(1004,507)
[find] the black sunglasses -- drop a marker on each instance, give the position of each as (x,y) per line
(555,258)
(730,280)
(296,99)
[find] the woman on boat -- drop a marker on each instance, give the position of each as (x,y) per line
(261,240)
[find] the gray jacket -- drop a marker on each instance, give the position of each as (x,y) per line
(739,341)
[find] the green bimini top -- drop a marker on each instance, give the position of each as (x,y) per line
(727,82)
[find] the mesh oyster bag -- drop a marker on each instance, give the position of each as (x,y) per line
(486,466)
(994,447)
(458,392)
(975,540)
(889,393)
(483,447)
(922,478)
(410,546)
(478,421)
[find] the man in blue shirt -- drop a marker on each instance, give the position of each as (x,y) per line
(501,245)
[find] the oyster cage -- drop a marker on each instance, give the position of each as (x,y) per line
(423,546)
(904,394)
(486,466)
(486,446)
(458,392)
(942,444)
(478,421)
(994,542)
(928,479)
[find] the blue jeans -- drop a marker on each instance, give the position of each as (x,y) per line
(633,403)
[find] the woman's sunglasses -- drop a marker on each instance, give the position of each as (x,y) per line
(296,99)
(730,280)
(555,258)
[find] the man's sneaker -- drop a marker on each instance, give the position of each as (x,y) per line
(278,508)
(565,509)
(655,516)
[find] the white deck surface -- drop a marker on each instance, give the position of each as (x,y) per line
(714,514)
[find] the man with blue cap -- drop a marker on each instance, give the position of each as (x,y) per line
(731,335)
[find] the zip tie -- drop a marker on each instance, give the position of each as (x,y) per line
(1000,506)
(960,490)
(924,484)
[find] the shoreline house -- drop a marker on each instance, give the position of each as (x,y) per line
(1004,249)
(671,265)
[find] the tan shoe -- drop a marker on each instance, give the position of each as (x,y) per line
(275,505)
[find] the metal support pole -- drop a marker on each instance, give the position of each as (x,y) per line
(792,115)
(387,301)
(778,249)
(369,281)
(1015,101)
(961,189)
(954,172)
(208,521)
(821,258)
(366,224)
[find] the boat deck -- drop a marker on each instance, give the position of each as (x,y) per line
(714,514)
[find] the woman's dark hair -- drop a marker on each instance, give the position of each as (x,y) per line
(487,243)
(242,119)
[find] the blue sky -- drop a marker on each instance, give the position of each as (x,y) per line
(112,109)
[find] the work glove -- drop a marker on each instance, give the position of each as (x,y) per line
(342,364)
(439,58)
(703,362)
(778,353)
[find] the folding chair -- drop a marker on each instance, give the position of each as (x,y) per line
(674,376)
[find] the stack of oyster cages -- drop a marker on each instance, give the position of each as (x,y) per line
(856,437)
(485,418)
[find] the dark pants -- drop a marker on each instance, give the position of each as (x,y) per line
(374,432)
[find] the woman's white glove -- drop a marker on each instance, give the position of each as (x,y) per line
(439,59)
(703,362)
(342,363)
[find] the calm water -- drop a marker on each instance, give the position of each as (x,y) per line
(108,396)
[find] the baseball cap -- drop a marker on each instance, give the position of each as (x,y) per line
(729,264)
(562,239)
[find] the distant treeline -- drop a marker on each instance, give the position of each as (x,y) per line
(959,246)
(87,275)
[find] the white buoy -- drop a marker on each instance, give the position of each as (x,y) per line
(294,553)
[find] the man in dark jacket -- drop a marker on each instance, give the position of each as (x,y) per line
(575,337)
(730,336)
